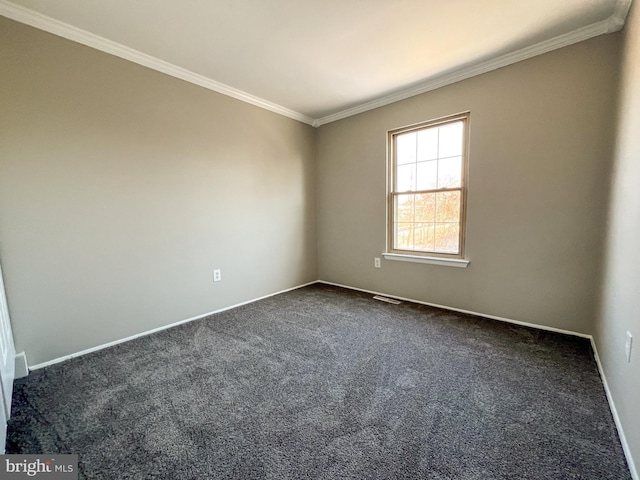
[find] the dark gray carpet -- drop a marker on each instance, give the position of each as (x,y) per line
(327,383)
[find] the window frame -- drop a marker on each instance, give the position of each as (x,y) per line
(418,255)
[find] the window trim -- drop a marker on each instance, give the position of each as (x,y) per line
(457,259)
(445,262)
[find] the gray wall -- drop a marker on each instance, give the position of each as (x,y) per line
(541,142)
(121,189)
(621,288)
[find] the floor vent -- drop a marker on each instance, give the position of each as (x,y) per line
(388,300)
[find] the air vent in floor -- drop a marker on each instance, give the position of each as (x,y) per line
(388,300)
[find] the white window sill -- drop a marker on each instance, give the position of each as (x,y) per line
(446,262)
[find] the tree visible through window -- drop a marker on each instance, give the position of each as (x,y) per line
(427,187)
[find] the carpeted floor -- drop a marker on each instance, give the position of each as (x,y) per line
(327,383)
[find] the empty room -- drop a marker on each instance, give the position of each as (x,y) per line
(274,239)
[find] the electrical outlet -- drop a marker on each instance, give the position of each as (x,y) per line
(376,262)
(217,275)
(627,346)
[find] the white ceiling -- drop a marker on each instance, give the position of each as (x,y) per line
(321,60)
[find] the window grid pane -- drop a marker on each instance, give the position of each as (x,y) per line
(406,178)
(449,172)
(406,148)
(427,175)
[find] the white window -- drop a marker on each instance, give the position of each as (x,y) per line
(427,187)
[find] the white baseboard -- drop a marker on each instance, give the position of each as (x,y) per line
(158,329)
(616,418)
(470,312)
(21,365)
(612,407)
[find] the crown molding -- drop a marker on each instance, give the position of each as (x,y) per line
(584,33)
(619,16)
(30,17)
(56,27)
(464,73)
